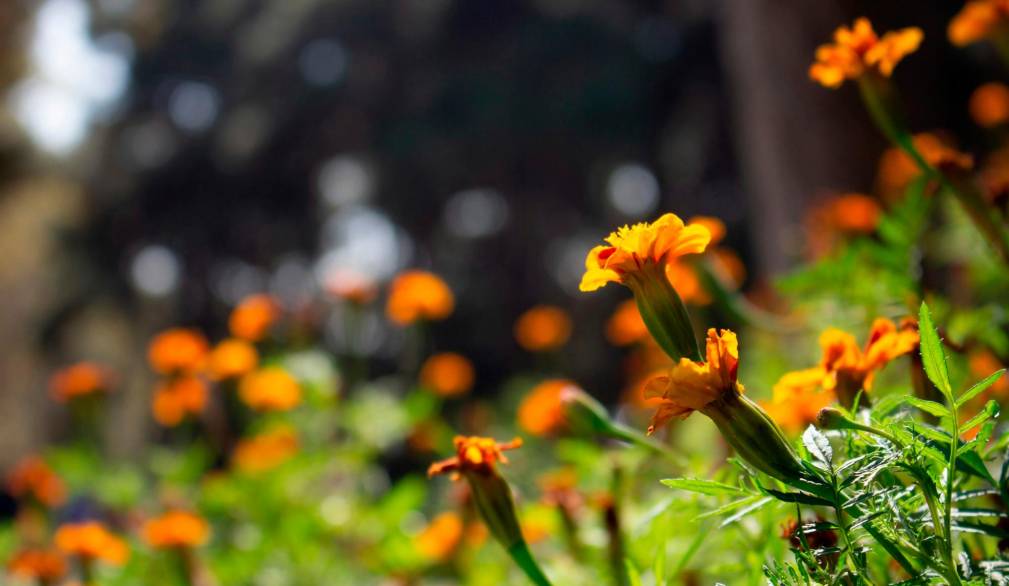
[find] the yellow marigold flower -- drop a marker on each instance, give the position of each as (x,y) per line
(266,450)
(90,540)
(441,537)
(270,389)
(846,365)
(33,478)
(474,454)
(232,358)
(176,530)
(541,412)
(625,326)
(798,398)
(178,397)
(858,50)
(178,350)
(978,20)
(252,319)
(632,248)
(690,386)
(543,328)
(447,374)
(78,380)
(43,565)
(416,295)
(989,105)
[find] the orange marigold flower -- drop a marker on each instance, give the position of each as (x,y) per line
(177,397)
(416,295)
(43,565)
(845,363)
(897,170)
(857,50)
(176,529)
(543,328)
(684,279)
(78,380)
(625,326)
(541,412)
(474,454)
(715,226)
(178,350)
(797,399)
(978,20)
(266,450)
(989,105)
(270,389)
(690,385)
(232,358)
(254,316)
(91,540)
(447,374)
(983,364)
(855,212)
(632,247)
(441,537)
(33,478)
(352,286)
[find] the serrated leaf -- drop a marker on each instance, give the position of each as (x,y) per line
(930,407)
(932,355)
(979,387)
(818,445)
(698,485)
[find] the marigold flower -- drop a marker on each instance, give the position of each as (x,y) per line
(416,295)
(178,350)
(175,530)
(797,399)
(715,226)
(989,105)
(683,278)
(844,363)
(473,454)
(896,169)
(78,380)
(447,374)
(270,389)
(830,220)
(254,316)
(691,385)
(982,364)
(441,537)
(543,328)
(266,450)
(232,358)
(858,50)
(177,397)
(978,20)
(625,326)
(541,412)
(43,565)
(33,478)
(90,540)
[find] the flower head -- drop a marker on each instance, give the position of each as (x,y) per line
(447,374)
(178,397)
(625,326)
(541,412)
(44,565)
(176,529)
(418,295)
(473,455)
(857,50)
(33,478)
(844,360)
(692,385)
(232,358)
(270,389)
(91,540)
(441,537)
(896,169)
(178,350)
(797,399)
(630,248)
(543,328)
(989,105)
(252,318)
(78,380)
(978,20)
(266,450)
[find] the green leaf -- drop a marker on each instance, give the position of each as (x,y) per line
(818,445)
(709,487)
(990,411)
(931,407)
(932,355)
(979,387)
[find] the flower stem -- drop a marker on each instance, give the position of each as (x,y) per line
(524,559)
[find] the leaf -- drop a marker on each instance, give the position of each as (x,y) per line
(979,387)
(746,511)
(990,411)
(930,407)
(709,487)
(818,445)
(931,353)
(799,497)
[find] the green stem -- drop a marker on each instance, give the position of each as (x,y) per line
(524,559)
(954,445)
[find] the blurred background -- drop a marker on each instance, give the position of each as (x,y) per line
(162,159)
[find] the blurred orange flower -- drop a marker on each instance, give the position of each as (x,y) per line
(254,316)
(176,529)
(844,362)
(625,326)
(178,350)
(447,374)
(266,450)
(857,50)
(829,221)
(978,20)
(897,170)
(232,358)
(989,105)
(78,380)
(474,454)
(43,565)
(984,363)
(91,540)
(177,397)
(715,226)
(441,537)
(270,389)
(33,478)
(797,399)
(418,295)
(541,412)
(543,328)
